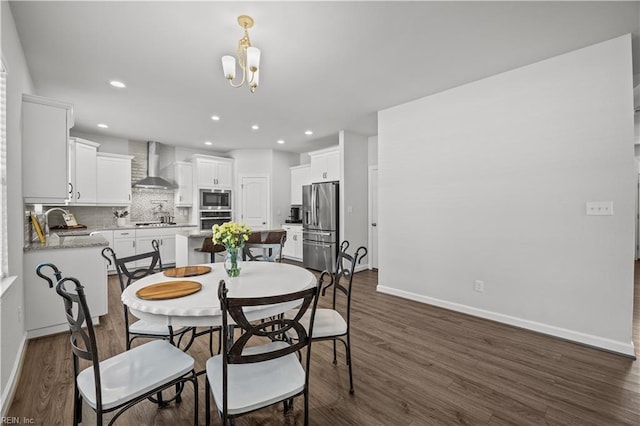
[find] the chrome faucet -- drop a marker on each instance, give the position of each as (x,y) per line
(46,218)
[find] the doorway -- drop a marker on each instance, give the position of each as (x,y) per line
(255,202)
(373,217)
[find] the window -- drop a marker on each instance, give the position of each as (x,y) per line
(4,261)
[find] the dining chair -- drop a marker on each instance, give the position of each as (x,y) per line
(128,272)
(209,247)
(330,323)
(265,246)
(119,382)
(246,377)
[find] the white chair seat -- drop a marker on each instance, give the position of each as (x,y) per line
(256,385)
(134,372)
(327,323)
(147,327)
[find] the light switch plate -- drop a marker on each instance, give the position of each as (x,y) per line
(599,208)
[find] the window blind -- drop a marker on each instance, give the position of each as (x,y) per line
(4,258)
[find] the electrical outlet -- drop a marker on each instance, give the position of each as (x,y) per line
(479,286)
(599,208)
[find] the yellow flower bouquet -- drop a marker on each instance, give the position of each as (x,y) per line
(232,236)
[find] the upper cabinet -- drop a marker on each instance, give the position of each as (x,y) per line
(213,172)
(300,176)
(82,171)
(113,179)
(184,179)
(45,134)
(325,165)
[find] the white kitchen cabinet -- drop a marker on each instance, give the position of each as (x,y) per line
(293,246)
(113,179)
(213,172)
(82,171)
(325,165)
(44,310)
(300,176)
(124,242)
(166,238)
(184,179)
(107,235)
(45,134)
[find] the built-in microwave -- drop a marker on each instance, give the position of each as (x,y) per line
(215,199)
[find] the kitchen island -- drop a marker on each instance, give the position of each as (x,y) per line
(75,256)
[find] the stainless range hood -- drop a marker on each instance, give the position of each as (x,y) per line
(153,181)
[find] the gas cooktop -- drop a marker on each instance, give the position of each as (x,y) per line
(155,224)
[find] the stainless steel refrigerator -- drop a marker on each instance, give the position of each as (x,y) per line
(320,225)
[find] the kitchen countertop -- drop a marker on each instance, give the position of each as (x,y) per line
(75,241)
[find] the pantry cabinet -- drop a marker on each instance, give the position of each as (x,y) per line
(113,179)
(325,165)
(82,171)
(45,134)
(213,172)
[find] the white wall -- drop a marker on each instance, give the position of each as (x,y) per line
(11,305)
(373,151)
(353,190)
(488,181)
(275,164)
(281,186)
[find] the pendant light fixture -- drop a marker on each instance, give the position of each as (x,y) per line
(248,57)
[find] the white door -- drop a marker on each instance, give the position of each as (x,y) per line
(373,217)
(255,202)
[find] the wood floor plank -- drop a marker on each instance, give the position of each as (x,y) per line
(413,364)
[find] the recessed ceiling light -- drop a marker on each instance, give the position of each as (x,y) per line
(103,126)
(308,132)
(118,84)
(215,118)
(280,141)
(208,143)
(255,127)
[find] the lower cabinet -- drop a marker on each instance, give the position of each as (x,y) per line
(166,239)
(293,246)
(44,310)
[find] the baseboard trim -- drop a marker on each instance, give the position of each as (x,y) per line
(621,348)
(9,391)
(359,268)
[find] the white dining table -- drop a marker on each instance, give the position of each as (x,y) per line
(200,309)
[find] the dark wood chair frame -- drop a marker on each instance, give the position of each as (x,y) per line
(89,351)
(345,266)
(273,329)
(126,275)
(268,249)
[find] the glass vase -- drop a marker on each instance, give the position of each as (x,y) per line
(231,261)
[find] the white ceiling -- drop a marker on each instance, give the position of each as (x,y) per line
(326,66)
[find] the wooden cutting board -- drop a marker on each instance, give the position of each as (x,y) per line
(168,290)
(187,271)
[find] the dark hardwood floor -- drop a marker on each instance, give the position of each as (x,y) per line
(414,364)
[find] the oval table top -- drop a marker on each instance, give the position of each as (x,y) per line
(257,279)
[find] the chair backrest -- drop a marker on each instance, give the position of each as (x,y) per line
(274,328)
(126,266)
(265,246)
(56,273)
(343,275)
(83,342)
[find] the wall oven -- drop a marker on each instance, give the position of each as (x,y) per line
(208,218)
(215,199)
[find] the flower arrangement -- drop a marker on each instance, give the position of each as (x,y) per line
(120,214)
(232,236)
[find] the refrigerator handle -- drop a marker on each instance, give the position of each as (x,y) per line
(317,201)
(313,205)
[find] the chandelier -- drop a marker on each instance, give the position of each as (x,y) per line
(248,57)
